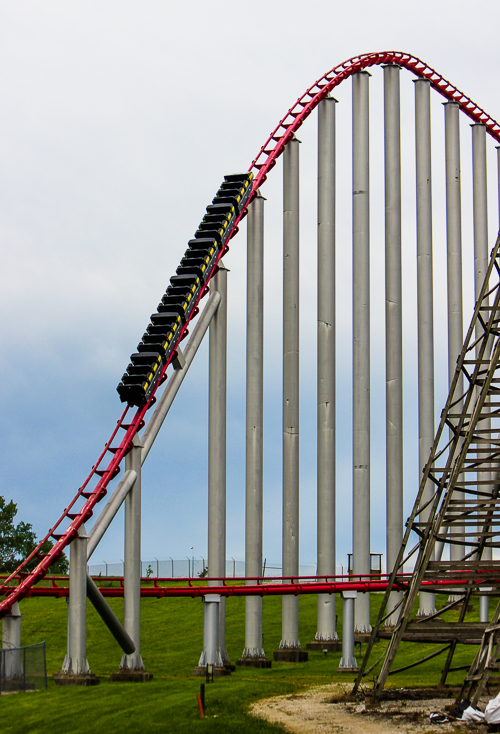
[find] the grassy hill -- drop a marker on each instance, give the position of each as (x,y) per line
(172,641)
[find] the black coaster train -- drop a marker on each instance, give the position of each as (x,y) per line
(177,304)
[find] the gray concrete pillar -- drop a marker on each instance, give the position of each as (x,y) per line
(11,644)
(132,666)
(211,654)
(327,618)
(290,604)
(480,216)
(425,300)
(348,662)
(361,340)
(393,324)
(254,651)
(454,248)
(76,662)
(217,380)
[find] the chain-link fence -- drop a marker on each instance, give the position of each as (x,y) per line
(183,568)
(172,568)
(23,668)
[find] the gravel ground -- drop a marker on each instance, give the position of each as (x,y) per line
(320,710)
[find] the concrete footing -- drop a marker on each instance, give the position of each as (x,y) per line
(322,645)
(130,676)
(254,663)
(290,655)
(201,670)
(362,637)
(76,679)
(16,684)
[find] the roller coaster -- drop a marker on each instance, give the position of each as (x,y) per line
(187,287)
(160,348)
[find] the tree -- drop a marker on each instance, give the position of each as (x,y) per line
(18,541)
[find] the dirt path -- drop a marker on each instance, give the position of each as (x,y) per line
(312,712)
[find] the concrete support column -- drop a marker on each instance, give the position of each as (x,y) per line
(425,306)
(253,654)
(361,340)
(77,652)
(393,324)
(348,662)
(454,246)
(211,644)
(217,380)
(131,665)
(290,604)
(480,215)
(326,634)
(75,669)
(11,643)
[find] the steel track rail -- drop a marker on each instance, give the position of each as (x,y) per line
(262,165)
(264,586)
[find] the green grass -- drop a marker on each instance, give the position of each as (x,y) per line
(171,645)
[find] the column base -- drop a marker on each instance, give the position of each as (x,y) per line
(322,645)
(459,607)
(17,684)
(347,670)
(254,662)
(201,670)
(75,679)
(290,655)
(130,676)
(362,636)
(229,666)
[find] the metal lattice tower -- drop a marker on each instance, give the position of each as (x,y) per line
(464,507)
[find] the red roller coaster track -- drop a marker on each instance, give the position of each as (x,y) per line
(268,586)
(261,165)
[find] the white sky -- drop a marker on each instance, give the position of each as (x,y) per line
(118,121)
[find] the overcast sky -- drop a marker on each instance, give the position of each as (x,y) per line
(118,121)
